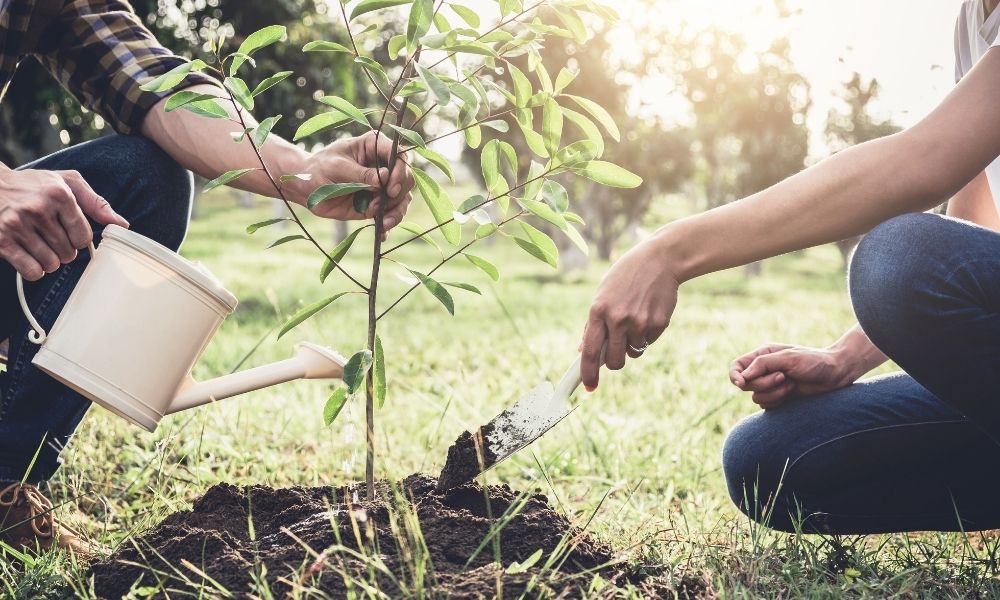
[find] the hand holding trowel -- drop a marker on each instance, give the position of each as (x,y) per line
(525,421)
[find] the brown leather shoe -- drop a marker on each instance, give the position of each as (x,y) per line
(28,524)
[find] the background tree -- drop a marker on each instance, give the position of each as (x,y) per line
(855,125)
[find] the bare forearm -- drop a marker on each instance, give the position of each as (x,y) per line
(851,192)
(856,354)
(205,146)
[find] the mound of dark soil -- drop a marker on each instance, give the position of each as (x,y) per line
(326,538)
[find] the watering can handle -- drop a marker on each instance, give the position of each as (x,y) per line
(37,334)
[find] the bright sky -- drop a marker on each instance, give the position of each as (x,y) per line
(906,44)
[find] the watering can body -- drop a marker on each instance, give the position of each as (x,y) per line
(136,324)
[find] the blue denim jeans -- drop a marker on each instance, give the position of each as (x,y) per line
(153,193)
(918,450)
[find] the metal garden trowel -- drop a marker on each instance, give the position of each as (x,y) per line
(525,421)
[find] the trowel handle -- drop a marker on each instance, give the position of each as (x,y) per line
(571,379)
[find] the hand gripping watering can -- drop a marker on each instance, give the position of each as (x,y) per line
(135,325)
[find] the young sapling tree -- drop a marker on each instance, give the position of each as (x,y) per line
(468,76)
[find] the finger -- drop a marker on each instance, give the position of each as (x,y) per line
(744,361)
(774,397)
(35,245)
(615,356)
(57,239)
(764,364)
(394,216)
(22,262)
(636,344)
(91,203)
(594,339)
(400,182)
(765,383)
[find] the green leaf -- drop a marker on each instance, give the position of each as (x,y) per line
(610,174)
(485,266)
(467,14)
(284,240)
(373,67)
(522,567)
(590,131)
(168,80)
(438,161)
(255,41)
(538,245)
(522,87)
(485,230)
(474,136)
(437,87)
(441,23)
(534,179)
(299,176)
(321,122)
(207,108)
(563,79)
(240,92)
(573,218)
(577,239)
(306,312)
(333,190)
(439,205)
(497,125)
(472,48)
(396,44)
(409,135)
(251,229)
(597,111)
(556,196)
(183,97)
(356,369)
(552,124)
(535,142)
(378,375)
(347,108)
(510,156)
(544,211)
(270,82)
(323,46)
(338,254)
(225,178)
(436,289)
(490,162)
(419,23)
(370,5)
(334,404)
(572,22)
(263,130)
(463,286)
(419,233)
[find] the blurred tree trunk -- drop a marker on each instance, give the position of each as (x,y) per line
(340,231)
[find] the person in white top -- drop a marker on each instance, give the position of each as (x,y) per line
(915,450)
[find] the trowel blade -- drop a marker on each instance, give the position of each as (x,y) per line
(534,413)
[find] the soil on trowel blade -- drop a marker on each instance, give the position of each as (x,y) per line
(467,457)
(327,539)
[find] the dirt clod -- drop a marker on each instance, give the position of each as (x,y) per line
(466,543)
(467,457)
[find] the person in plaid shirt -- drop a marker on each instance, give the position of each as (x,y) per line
(50,208)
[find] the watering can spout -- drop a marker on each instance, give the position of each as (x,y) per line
(311,361)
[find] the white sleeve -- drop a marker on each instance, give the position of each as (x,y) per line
(959,29)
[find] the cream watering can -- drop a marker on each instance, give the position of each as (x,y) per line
(136,324)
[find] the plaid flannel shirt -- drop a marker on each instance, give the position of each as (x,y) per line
(98,49)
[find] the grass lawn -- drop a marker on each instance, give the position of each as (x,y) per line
(643,451)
